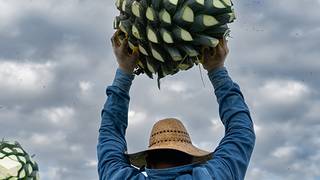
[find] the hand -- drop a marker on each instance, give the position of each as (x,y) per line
(215,57)
(126,61)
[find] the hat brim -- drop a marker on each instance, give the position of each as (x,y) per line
(139,159)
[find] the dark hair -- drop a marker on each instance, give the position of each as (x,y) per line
(168,156)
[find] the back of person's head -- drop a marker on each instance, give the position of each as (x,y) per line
(166,158)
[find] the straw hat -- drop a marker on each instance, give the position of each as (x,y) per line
(170,134)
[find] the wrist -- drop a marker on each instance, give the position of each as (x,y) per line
(213,68)
(126,69)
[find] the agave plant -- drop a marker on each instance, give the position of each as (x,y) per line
(171,34)
(15,163)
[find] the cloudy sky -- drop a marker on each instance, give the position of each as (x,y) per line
(56,61)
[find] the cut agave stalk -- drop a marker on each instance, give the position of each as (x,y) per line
(189,50)
(119,4)
(184,16)
(144,49)
(218,4)
(137,9)
(151,14)
(138,30)
(186,64)
(226,18)
(133,45)
(166,36)
(203,22)
(152,34)
(125,26)
(182,34)
(170,5)
(116,22)
(165,17)
(126,6)
(201,40)
(174,53)
(156,4)
(152,65)
(196,5)
(218,32)
(157,52)
(227,2)
(215,7)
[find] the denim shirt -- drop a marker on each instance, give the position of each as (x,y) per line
(229,161)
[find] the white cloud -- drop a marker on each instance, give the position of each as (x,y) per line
(44,140)
(85,86)
(60,116)
(92,163)
(25,76)
(285,152)
(175,86)
(136,118)
(283,91)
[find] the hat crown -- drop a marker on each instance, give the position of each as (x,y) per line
(168,131)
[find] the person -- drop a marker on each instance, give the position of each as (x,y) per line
(171,154)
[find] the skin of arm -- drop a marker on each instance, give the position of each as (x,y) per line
(231,158)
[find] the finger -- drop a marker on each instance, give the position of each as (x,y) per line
(206,53)
(220,47)
(135,55)
(124,46)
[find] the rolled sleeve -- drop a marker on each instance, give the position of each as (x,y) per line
(123,80)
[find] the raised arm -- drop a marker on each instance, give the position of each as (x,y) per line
(112,162)
(232,156)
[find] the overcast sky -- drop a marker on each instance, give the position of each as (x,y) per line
(56,61)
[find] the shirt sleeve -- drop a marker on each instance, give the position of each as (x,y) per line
(112,161)
(231,158)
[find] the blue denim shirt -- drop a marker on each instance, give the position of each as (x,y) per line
(229,161)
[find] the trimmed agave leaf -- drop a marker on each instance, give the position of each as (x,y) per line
(156,4)
(145,69)
(186,64)
(170,5)
(152,34)
(151,14)
(119,4)
(138,30)
(157,52)
(125,26)
(165,17)
(182,34)
(203,40)
(144,48)
(116,22)
(166,36)
(203,22)
(174,53)
(184,16)
(137,9)
(133,44)
(126,6)
(196,5)
(189,50)
(218,32)
(227,2)
(152,65)
(218,4)
(215,7)
(226,18)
